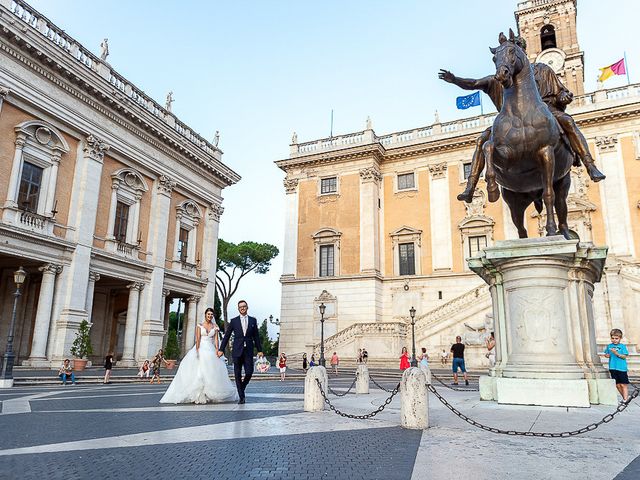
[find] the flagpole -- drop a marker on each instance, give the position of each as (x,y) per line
(481,109)
(626,67)
(331,131)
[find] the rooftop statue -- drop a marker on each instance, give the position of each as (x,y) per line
(168,101)
(104,49)
(532,144)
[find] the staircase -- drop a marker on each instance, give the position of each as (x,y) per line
(476,296)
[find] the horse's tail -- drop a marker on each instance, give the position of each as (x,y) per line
(538,204)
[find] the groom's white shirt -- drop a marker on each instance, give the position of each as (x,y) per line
(245,324)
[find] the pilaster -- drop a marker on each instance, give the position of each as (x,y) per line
(290,251)
(370,179)
(440,214)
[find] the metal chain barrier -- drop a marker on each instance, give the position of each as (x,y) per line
(450,387)
(358,417)
(589,428)
(344,393)
(378,385)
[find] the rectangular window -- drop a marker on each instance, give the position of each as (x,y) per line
(406,181)
(30,183)
(122,220)
(326,261)
(467,170)
(476,244)
(183,245)
(329,185)
(407,259)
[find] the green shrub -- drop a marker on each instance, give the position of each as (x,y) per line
(81,347)
(172,350)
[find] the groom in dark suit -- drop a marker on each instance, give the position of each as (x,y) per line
(245,338)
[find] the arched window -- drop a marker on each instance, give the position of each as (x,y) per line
(127,188)
(188,215)
(326,246)
(548,37)
(31,194)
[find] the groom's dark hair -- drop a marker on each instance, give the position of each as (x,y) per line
(245,302)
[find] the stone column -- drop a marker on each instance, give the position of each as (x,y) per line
(93,278)
(192,320)
(112,209)
(210,251)
(290,251)
(165,314)
(37,357)
(53,180)
(128,358)
(370,179)
(4,91)
(71,297)
(414,401)
(313,401)
(14,179)
(151,328)
(440,214)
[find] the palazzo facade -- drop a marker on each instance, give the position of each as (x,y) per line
(107,199)
(374,227)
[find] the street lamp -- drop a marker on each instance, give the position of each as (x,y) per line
(322,308)
(274,322)
(412,312)
(7,362)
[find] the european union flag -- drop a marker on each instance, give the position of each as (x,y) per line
(467,101)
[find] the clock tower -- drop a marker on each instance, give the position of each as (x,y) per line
(549,28)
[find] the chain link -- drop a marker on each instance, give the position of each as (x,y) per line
(358,417)
(379,386)
(344,393)
(472,389)
(589,428)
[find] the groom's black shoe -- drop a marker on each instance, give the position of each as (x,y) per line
(241,401)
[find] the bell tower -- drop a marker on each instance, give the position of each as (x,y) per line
(549,28)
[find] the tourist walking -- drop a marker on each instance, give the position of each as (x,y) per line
(404,359)
(305,362)
(491,353)
(423,358)
(334,362)
(365,355)
(157,363)
(66,372)
(617,353)
(282,364)
(458,361)
(202,376)
(359,357)
(108,365)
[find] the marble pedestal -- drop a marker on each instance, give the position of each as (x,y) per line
(542,294)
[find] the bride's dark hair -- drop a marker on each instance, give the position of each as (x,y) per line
(209,309)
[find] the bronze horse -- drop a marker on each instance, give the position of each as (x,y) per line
(526,155)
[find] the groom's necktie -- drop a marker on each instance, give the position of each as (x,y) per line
(244,321)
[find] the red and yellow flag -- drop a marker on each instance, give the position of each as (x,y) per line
(617,68)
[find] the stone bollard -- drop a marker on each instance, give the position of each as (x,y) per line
(427,372)
(362,379)
(313,400)
(414,401)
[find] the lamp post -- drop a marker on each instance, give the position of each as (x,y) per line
(322,308)
(274,322)
(19,277)
(412,312)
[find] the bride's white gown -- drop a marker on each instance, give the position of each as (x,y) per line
(202,377)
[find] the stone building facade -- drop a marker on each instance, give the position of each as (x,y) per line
(109,201)
(373,226)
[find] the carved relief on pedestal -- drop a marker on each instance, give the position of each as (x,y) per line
(438,171)
(534,317)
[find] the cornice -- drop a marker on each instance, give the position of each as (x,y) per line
(100,95)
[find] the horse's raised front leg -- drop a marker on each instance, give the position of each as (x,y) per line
(492,187)
(546,159)
(518,203)
(477,165)
(561,189)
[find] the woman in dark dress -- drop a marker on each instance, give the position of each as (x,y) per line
(108,365)
(305,364)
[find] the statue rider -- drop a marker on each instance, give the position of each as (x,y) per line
(553,93)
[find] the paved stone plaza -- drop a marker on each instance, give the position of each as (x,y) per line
(121,431)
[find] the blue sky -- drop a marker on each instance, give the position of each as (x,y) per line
(259,70)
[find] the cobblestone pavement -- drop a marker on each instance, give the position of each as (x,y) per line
(121,431)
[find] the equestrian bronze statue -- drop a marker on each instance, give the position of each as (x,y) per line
(533,142)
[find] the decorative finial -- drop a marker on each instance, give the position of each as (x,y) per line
(216,138)
(104,49)
(169,101)
(369,123)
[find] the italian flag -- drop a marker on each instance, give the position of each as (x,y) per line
(617,68)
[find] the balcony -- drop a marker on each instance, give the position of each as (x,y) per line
(28,220)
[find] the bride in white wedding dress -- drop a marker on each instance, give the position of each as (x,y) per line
(202,377)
